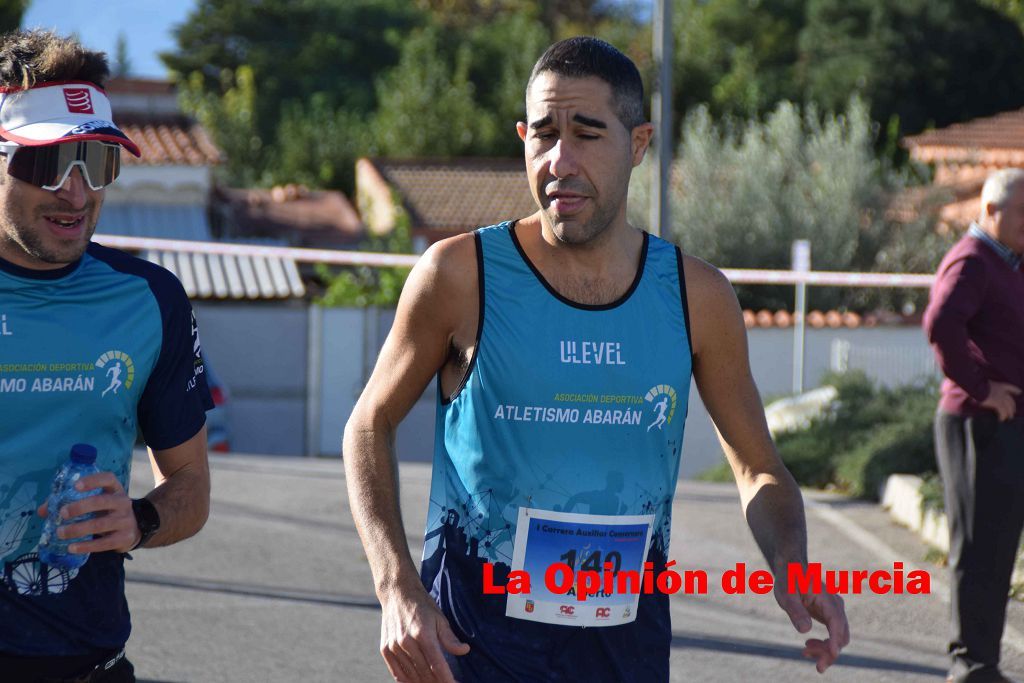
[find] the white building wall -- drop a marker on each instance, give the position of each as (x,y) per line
(261,351)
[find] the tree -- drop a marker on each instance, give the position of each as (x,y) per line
(1014,9)
(462,95)
(459,86)
(318,144)
(427,105)
(915,62)
(291,52)
(122,62)
(296,91)
(734,56)
(11,14)
(294,48)
(499,69)
(744,191)
(923,62)
(364,286)
(231,116)
(562,17)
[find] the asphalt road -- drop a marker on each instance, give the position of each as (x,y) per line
(277,588)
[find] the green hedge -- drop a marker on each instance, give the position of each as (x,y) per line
(869,433)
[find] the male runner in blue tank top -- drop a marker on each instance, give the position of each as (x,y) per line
(564,352)
(95,346)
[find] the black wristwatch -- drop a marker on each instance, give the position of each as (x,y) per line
(146,517)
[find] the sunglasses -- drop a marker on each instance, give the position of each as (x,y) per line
(48,166)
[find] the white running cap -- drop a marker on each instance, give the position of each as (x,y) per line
(59,111)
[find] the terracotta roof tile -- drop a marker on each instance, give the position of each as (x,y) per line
(168,140)
(997,140)
(782,318)
(816,319)
(148,112)
(957,202)
(456,195)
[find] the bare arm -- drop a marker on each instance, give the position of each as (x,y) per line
(182,492)
(772,504)
(431,314)
(181,497)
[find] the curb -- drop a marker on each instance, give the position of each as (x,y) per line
(902,498)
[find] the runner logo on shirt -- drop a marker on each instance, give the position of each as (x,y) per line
(663,399)
(119,371)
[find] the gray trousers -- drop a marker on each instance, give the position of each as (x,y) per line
(981,461)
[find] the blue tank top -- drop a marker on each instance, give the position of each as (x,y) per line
(567,408)
(94,352)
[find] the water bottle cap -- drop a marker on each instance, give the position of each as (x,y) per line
(83,454)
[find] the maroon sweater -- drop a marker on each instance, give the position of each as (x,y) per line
(975,323)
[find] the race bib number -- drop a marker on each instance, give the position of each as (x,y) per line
(584,543)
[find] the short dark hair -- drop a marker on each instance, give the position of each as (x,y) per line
(584,56)
(39,56)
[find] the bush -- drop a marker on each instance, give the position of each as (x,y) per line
(869,433)
(932,494)
(904,444)
(742,191)
(362,286)
(903,447)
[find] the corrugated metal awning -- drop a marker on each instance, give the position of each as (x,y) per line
(231,276)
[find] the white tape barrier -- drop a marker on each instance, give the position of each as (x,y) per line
(329,256)
(827,278)
(364,258)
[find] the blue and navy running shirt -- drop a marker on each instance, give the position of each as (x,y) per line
(566,408)
(89,353)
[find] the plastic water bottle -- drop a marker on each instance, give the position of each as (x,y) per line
(53,551)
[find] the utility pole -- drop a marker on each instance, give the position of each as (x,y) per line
(661,116)
(801,264)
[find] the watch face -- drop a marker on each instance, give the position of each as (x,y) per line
(146,516)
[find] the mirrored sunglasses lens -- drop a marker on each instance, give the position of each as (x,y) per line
(103,163)
(35,165)
(47,165)
(67,154)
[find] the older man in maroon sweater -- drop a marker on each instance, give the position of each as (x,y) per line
(975,323)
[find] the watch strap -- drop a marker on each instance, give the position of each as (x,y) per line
(147,518)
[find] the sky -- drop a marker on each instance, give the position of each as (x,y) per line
(146,25)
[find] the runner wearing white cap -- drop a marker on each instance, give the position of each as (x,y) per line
(96,345)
